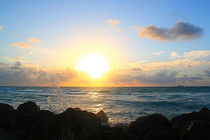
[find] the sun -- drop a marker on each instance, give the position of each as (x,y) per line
(93,64)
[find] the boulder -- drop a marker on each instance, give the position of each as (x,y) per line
(196,130)
(103,117)
(159,135)
(144,125)
(42,114)
(28,107)
(22,121)
(71,124)
(112,133)
(5,107)
(13,135)
(179,122)
(7,118)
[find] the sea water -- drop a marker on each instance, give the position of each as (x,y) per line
(122,104)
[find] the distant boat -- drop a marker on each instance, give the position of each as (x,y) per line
(180,86)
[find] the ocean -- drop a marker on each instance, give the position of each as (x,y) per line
(121,104)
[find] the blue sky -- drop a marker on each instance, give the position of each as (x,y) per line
(66,26)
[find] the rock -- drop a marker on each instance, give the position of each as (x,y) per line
(7,118)
(153,122)
(120,133)
(5,107)
(71,124)
(112,133)
(29,107)
(22,121)
(103,117)
(42,114)
(159,135)
(196,130)
(179,122)
(13,135)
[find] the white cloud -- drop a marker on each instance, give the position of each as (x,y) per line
(197,53)
(174,54)
(158,53)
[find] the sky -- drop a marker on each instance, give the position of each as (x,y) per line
(145,42)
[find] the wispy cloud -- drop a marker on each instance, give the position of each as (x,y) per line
(158,53)
(112,23)
(34,40)
(21,45)
(197,53)
(181,30)
(1,27)
(174,54)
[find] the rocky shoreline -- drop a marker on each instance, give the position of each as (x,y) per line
(28,122)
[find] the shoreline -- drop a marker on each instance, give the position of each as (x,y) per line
(28,122)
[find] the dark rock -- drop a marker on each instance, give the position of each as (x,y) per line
(196,130)
(15,120)
(103,117)
(7,118)
(159,135)
(153,122)
(112,133)
(42,114)
(13,135)
(29,107)
(179,122)
(71,124)
(121,133)
(5,107)
(22,121)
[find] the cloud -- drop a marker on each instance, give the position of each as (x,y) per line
(21,45)
(34,40)
(191,79)
(23,75)
(112,23)
(181,30)
(158,53)
(1,27)
(19,74)
(161,77)
(207,73)
(174,54)
(187,59)
(17,65)
(197,53)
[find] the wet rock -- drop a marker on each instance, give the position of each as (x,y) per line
(159,135)
(144,125)
(103,117)
(28,107)
(196,130)
(5,107)
(179,122)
